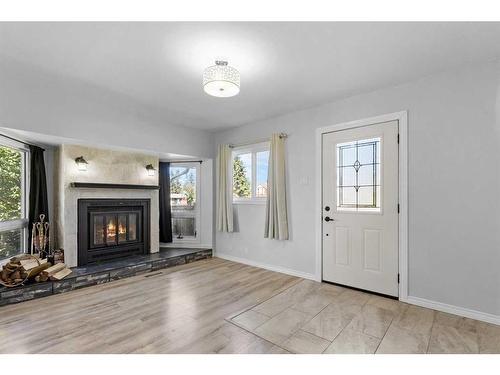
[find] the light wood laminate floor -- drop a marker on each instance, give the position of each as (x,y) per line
(217,306)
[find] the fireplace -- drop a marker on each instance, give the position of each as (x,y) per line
(112,229)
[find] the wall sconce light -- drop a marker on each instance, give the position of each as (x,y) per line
(151,170)
(81,163)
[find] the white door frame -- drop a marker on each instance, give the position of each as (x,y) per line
(402,118)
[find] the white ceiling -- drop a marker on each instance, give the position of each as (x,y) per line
(284,66)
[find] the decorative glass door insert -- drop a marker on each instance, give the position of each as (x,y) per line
(358,175)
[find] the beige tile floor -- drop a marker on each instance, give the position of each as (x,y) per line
(311,317)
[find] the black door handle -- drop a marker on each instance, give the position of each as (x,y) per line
(328,219)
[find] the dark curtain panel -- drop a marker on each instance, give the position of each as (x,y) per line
(165,210)
(38,202)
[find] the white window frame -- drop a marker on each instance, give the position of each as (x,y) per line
(25,167)
(197,209)
(252,149)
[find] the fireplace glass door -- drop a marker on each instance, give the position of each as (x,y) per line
(111,228)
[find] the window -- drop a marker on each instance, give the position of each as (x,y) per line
(13,204)
(250,164)
(358,175)
(185,202)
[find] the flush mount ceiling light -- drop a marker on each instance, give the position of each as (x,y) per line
(221,80)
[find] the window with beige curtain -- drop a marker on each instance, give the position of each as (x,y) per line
(276,226)
(224,190)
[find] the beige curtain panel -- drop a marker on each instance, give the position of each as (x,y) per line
(276,213)
(224,196)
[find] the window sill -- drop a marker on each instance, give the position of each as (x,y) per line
(258,202)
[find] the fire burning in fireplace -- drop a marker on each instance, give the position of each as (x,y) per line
(107,231)
(111,231)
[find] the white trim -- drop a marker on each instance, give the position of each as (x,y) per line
(402,118)
(14,144)
(451,309)
(13,224)
(189,241)
(256,201)
(251,149)
(266,266)
(25,184)
(319,202)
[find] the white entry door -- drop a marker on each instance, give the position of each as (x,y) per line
(360,207)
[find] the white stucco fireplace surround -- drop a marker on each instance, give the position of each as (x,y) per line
(105,166)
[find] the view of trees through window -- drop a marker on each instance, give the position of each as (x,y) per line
(182,186)
(10,184)
(242,168)
(243,171)
(11,243)
(11,196)
(183,201)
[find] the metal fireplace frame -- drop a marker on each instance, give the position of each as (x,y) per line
(87,254)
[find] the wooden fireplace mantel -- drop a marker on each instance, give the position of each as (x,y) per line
(100,185)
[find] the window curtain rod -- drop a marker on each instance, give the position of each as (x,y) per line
(18,140)
(282,136)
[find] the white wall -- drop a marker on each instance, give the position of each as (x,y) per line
(454,185)
(38,101)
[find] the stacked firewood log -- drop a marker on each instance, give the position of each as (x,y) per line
(56,272)
(23,268)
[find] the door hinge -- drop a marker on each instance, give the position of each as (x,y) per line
(398,138)
(398,278)
(398,208)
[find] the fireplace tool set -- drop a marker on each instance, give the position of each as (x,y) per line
(40,238)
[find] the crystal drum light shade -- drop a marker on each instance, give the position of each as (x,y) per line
(221,80)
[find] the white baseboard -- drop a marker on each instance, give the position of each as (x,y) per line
(269,267)
(451,309)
